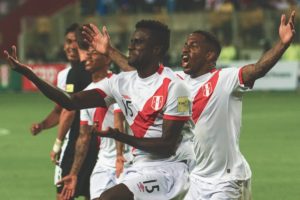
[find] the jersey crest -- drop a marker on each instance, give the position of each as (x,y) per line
(157,102)
(202,97)
(207,89)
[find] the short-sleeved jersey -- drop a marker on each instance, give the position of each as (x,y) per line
(217,110)
(146,102)
(62,77)
(104,118)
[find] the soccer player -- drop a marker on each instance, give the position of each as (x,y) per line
(222,171)
(156,104)
(72,79)
(110,157)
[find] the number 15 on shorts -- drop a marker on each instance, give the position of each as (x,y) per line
(148,186)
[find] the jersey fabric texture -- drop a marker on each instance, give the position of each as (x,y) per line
(71,80)
(217,112)
(145,103)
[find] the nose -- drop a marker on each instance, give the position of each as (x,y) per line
(185,48)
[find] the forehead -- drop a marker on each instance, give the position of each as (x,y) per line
(141,33)
(195,37)
(70,36)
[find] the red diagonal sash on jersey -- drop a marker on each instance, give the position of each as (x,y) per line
(99,117)
(203,96)
(152,107)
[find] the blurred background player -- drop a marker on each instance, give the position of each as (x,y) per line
(72,79)
(112,154)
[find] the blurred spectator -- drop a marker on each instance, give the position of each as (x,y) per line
(35,54)
(229,51)
(292,53)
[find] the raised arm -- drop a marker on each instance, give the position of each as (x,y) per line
(101,42)
(85,99)
(164,146)
(286,33)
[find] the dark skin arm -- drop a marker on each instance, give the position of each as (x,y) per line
(119,120)
(164,146)
(50,121)
(80,100)
(255,71)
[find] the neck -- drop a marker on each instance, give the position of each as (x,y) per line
(75,63)
(99,75)
(147,71)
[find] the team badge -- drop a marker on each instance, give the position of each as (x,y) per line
(69,88)
(183,104)
(207,89)
(157,102)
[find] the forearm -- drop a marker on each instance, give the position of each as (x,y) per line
(121,60)
(160,146)
(264,64)
(65,122)
(52,119)
(82,146)
(53,93)
(270,58)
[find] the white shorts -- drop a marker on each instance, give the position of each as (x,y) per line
(230,190)
(102,178)
(166,181)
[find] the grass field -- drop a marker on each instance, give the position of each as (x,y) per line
(270,141)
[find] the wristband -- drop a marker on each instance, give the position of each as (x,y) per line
(57,146)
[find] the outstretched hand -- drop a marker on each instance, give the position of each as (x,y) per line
(287,29)
(13,60)
(69,182)
(99,41)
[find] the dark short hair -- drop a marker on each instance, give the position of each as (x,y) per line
(159,32)
(211,40)
(80,39)
(72,28)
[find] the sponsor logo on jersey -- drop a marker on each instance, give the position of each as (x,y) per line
(70,88)
(183,104)
(157,102)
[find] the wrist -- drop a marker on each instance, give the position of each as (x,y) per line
(57,145)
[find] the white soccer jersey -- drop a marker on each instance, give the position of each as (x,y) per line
(62,78)
(145,102)
(217,110)
(104,117)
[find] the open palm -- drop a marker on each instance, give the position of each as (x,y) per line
(287,29)
(99,41)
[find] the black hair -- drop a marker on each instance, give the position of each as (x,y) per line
(159,32)
(211,40)
(72,28)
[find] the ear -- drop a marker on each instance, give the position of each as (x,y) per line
(157,50)
(211,56)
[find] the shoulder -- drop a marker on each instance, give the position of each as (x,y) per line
(65,71)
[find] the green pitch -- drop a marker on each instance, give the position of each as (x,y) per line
(269,141)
